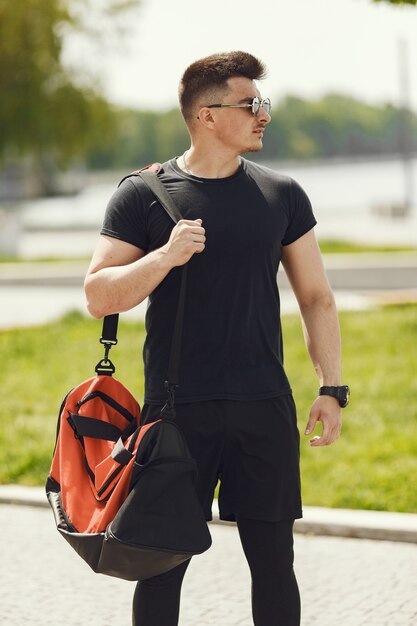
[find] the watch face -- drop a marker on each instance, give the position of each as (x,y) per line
(344,396)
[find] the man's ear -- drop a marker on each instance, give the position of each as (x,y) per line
(205,117)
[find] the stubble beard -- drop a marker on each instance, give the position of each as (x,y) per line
(253,148)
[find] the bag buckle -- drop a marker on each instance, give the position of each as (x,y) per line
(105,367)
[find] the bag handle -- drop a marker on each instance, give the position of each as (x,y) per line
(110,322)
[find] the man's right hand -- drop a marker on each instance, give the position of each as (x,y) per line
(122,275)
(187,238)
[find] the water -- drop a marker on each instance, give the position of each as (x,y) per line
(338,188)
(347,196)
(343,195)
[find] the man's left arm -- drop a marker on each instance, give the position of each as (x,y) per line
(304,267)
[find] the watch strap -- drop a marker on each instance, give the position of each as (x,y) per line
(340,392)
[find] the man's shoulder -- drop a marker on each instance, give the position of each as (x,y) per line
(271,179)
(133,188)
(264,173)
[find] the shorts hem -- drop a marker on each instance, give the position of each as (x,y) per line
(281,517)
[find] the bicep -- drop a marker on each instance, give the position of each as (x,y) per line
(112,252)
(304,267)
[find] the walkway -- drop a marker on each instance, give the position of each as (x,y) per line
(343,582)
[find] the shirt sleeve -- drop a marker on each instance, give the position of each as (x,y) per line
(301,217)
(125,217)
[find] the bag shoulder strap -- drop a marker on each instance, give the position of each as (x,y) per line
(152,181)
(149,175)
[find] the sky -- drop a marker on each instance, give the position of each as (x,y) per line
(310,47)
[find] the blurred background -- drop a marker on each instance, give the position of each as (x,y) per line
(89,91)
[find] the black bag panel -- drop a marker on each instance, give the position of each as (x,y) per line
(123,560)
(87,545)
(159,525)
(53,493)
(52,486)
(163,510)
(106,555)
(164,439)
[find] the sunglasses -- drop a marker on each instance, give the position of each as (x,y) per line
(255,105)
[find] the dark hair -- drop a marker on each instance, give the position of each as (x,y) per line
(208,77)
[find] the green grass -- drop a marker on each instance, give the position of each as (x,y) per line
(329,246)
(372,466)
(39,365)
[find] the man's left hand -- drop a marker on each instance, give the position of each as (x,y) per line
(326,410)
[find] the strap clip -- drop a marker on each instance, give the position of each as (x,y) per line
(168,410)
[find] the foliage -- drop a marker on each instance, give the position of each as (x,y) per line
(44,109)
(332,126)
(369,467)
(334,246)
(398,2)
(143,137)
(56,114)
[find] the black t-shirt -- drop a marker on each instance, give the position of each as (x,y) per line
(232,343)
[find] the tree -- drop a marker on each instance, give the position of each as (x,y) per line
(413,2)
(45,110)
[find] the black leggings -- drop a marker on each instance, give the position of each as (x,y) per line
(268,547)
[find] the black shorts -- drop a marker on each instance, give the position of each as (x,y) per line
(251,447)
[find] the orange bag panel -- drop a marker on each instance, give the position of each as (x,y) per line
(91,504)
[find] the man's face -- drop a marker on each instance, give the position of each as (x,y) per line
(238,128)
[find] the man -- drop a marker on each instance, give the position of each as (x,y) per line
(234,402)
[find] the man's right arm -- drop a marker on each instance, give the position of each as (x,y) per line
(121,275)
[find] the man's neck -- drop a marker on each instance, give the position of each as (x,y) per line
(207,165)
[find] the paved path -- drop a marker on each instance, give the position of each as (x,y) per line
(359,271)
(34,293)
(343,582)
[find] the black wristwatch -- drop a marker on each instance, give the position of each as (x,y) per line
(341,394)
